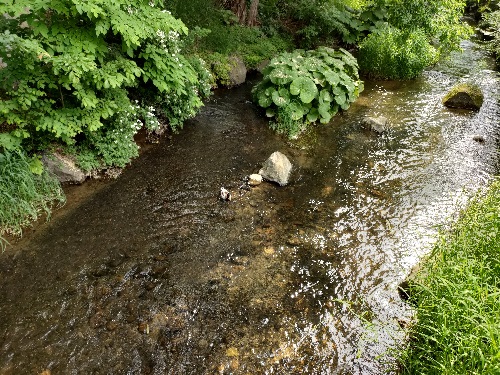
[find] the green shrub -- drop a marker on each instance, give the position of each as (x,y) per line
(440,20)
(394,54)
(68,75)
(305,86)
(491,24)
(457,297)
(323,20)
(24,194)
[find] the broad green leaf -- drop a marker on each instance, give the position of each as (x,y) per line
(341,99)
(332,77)
(281,76)
(36,166)
(296,110)
(325,96)
(313,115)
(305,87)
(281,97)
(265,101)
(9,142)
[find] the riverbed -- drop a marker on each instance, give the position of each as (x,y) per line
(151,273)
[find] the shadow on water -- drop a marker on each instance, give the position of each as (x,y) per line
(152,274)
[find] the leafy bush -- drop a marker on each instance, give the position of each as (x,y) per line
(69,66)
(395,54)
(323,19)
(440,20)
(24,194)
(305,86)
(491,24)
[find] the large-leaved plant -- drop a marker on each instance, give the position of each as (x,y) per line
(303,87)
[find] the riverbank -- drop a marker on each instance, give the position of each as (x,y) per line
(457,297)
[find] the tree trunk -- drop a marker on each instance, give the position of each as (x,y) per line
(246,15)
(253,13)
(240,9)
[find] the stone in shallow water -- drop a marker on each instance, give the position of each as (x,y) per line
(277,169)
(464,96)
(376,124)
(254,179)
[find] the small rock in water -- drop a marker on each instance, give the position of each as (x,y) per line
(225,195)
(478,138)
(232,352)
(254,179)
(376,124)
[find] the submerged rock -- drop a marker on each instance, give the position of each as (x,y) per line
(464,96)
(478,138)
(63,168)
(376,124)
(277,168)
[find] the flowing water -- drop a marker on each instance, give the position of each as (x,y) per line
(152,274)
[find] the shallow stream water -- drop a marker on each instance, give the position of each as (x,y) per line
(152,274)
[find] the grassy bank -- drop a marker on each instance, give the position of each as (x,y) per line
(24,195)
(457,296)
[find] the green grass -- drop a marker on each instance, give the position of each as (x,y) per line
(457,295)
(23,194)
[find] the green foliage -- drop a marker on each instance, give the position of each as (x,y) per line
(305,86)
(220,67)
(178,106)
(440,20)
(70,71)
(395,54)
(219,36)
(410,36)
(457,328)
(24,194)
(491,25)
(322,20)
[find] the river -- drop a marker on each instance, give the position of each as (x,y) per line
(152,274)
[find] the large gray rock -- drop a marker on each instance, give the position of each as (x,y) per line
(238,72)
(277,169)
(464,96)
(63,168)
(376,124)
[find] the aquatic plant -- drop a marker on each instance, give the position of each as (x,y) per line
(303,87)
(457,297)
(24,194)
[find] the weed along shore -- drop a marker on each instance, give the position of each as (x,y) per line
(456,296)
(298,160)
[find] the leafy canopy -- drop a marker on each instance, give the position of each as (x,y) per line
(69,65)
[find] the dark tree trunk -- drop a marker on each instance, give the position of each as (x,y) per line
(247,15)
(252,13)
